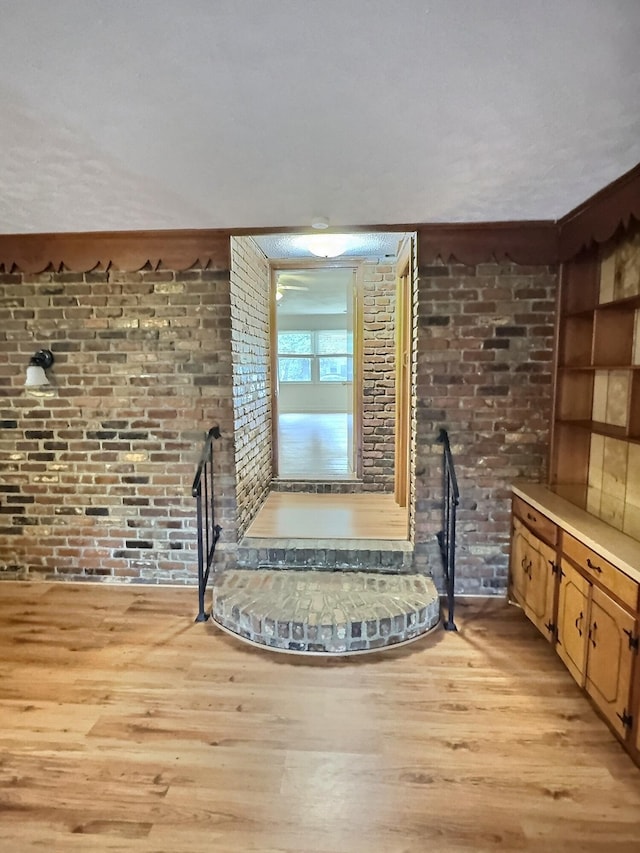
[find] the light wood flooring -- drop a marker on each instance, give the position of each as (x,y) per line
(314,447)
(127,727)
(296,515)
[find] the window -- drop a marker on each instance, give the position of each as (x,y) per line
(315,356)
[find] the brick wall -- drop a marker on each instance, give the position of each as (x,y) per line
(484,358)
(250,345)
(95,480)
(379,399)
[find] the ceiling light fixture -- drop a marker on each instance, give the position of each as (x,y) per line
(36,376)
(327,245)
(320,222)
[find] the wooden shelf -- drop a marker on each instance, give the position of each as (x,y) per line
(575,395)
(571,447)
(576,341)
(629,303)
(613,336)
(599,428)
(597,385)
(580,283)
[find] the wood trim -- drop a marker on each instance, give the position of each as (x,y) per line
(275,379)
(126,250)
(403,330)
(358,369)
(522,242)
(598,218)
(530,243)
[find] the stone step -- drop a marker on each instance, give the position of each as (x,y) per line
(381,555)
(324,612)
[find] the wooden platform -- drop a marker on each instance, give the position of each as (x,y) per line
(296,515)
(126,727)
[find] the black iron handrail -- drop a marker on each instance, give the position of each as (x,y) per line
(208,530)
(447,536)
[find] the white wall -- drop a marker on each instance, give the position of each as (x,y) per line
(315,397)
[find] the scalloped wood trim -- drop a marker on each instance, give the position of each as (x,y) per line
(530,243)
(126,251)
(599,217)
(468,243)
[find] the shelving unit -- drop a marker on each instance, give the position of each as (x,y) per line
(597,400)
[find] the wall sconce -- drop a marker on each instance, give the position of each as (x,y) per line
(36,376)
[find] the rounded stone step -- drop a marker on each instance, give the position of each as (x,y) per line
(320,612)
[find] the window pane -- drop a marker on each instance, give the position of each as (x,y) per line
(294,369)
(335,341)
(335,369)
(296,343)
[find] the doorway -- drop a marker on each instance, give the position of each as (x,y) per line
(315,335)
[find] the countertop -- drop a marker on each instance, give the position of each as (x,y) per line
(612,544)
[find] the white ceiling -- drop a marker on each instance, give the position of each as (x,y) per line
(314,291)
(131,114)
(375,246)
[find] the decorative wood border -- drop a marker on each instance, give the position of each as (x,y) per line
(127,250)
(534,242)
(468,243)
(599,217)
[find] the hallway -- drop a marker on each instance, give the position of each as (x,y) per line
(314,446)
(296,515)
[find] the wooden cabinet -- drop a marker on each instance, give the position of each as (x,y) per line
(573,620)
(596,640)
(611,645)
(533,566)
(586,605)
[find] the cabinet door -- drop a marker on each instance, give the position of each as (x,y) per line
(541,587)
(519,562)
(610,658)
(573,621)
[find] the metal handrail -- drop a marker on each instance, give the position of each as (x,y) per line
(208,531)
(447,536)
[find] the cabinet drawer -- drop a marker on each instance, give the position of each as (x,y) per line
(539,524)
(596,567)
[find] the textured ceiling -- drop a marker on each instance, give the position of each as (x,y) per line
(377,245)
(264,113)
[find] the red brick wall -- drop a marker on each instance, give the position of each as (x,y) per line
(484,365)
(379,376)
(95,480)
(250,346)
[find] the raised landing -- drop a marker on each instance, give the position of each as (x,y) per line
(324,612)
(295,515)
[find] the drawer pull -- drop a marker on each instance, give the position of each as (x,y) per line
(593,566)
(531,517)
(579,622)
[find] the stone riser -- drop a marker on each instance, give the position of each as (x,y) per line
(357,555)
(325,613)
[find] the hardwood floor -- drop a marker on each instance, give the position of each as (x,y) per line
(314,447)
(296,515)
(127,727)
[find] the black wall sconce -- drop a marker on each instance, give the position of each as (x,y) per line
(36,376)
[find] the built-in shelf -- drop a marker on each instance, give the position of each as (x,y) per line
(595,458)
